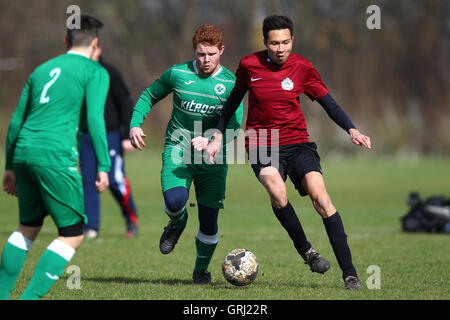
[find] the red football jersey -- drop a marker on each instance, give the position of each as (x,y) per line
(273,104)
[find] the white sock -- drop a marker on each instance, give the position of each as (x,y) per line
(62,249)
(18,240)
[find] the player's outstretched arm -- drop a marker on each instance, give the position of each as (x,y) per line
(338,115)
(137,138)
(152,95)
(359,139)
(230,107)
(228,110)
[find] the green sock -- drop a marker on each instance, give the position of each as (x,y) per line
(205,252)
(180,220)
(48,270)
(13,259)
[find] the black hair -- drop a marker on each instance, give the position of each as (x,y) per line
(83,36)
(277,23)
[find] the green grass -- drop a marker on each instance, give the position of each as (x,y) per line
(370,194)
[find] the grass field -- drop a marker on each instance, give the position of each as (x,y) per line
(370,195)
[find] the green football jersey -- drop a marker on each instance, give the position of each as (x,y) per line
(60,97)
(197,102)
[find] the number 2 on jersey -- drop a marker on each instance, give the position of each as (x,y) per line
(54,74)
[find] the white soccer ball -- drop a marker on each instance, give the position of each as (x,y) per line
(240,267)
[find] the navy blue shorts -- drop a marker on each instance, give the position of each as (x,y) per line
(294,160)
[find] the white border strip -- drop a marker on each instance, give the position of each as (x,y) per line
(18,240)
(62,249)
(208,239)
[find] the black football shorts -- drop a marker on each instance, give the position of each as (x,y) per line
(294,160)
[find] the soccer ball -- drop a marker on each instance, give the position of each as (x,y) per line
(240,267)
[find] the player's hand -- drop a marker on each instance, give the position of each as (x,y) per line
(137,138)
(9,182)
(359,139)
(199,143)
(102,181)
(127,146)
(214,146)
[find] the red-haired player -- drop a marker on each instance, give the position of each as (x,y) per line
(200,87)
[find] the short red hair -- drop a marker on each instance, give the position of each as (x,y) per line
(208,34)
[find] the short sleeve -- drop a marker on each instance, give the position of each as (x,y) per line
(314,86)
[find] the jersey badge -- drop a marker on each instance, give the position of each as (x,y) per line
(287,84)
(219,89)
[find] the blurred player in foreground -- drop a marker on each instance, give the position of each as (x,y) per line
(60,97)
(275,78)
(200,88)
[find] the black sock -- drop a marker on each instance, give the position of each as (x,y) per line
(338,240)
(292,225)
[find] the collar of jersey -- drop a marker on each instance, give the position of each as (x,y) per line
(266,57)
(78,53)
(194,63)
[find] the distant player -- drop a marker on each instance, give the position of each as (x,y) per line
(118,110)
(275,78)
(200,88)
(60,97)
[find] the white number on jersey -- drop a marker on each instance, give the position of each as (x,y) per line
(54,74)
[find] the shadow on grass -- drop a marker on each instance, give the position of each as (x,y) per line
(125,280)
(221,284)
(277,285)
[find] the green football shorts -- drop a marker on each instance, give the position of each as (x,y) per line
(45,190)
(209,180)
